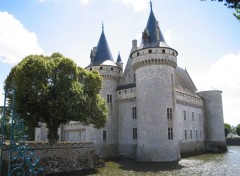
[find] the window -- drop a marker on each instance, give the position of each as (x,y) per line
(134,133)
(149,51)
(200,118)
(185,115)
(131,90)
(192,116)
(169,113)
(104,135)
(134,77)
(137,53)
(125,91)
(119,92)
(163,51)
(201,134)
(111,68)
(185,134)
(134,112)
(101,68)
(109,98)
(170,133)
(190,134)
(196,134)
(90,69)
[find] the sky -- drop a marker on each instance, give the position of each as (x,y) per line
(205,34)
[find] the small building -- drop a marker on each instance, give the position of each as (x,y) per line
(155,111)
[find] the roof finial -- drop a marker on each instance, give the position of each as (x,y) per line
(151,4)
(102,26)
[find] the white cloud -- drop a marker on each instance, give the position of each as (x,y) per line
(171,38)
(16,42)
(223,75)
(84,1)
(137,5)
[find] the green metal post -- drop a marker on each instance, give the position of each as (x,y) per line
(2,125)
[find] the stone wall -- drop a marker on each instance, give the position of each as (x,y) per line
(64,157)
(233,141)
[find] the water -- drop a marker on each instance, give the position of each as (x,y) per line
(227,164)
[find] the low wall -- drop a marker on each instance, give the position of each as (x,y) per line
(233,141)
(64,157)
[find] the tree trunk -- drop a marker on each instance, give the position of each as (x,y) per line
(53,134)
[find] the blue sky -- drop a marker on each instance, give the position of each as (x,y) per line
(205,34)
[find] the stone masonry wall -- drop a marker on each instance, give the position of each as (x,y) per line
(64,157)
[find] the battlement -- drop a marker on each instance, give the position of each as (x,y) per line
(107,71)
(154,56)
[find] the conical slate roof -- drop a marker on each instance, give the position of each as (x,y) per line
(152,35)
(103,54)
(119,59)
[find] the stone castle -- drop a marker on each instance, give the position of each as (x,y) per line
(155,112)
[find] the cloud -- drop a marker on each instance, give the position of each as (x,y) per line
(171,38)
(137,5)
(223,75)
(16,42)
(84,1)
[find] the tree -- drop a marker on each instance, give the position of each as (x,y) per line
(227,129)
(238,130)
(233,4)
(54,91)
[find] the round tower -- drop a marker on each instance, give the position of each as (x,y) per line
(154,63)
(106,139)
(214,123)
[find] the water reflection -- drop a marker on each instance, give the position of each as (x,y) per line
(227,164)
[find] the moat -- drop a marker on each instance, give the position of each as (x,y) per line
(226,164)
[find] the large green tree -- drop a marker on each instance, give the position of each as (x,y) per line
(227,129)
(233,4)
(54,90)
(238,130)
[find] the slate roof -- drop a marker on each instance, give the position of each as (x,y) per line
(119,59)
(103,53)
(152,30)
(127,86)
(184,83)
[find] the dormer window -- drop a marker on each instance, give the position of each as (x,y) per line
(163,51)
(149,51)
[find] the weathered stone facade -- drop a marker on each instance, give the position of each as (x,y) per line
(155,111)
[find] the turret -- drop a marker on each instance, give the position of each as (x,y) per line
(119,61)
(106,139)
(214,124)
(154,63)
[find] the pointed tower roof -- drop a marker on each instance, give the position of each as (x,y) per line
(119,59)
(152,35)
(103,54)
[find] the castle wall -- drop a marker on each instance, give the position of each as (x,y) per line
(190,119)
(126,123)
